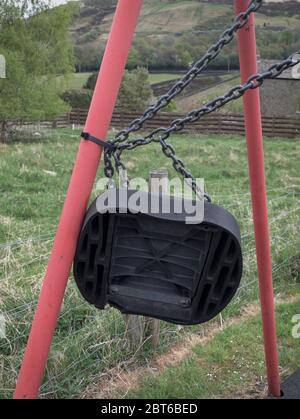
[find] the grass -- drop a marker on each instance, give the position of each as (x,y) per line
(76,81)
(34,176)
(186,104)
(231,365)
(160,17)
(170,17)
(160,77)
(290,22)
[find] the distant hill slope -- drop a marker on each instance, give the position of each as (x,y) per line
(162,18)
(177,16)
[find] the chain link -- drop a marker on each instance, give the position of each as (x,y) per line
(160,135)
(226,37)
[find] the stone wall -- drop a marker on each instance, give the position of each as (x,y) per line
(281,98)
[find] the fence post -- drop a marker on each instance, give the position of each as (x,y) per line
(68,119)
(158,184)
(137,326)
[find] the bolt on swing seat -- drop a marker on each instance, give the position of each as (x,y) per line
(157,265)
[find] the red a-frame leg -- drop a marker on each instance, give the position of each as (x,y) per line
(81,184)
(86,165)
(253,125)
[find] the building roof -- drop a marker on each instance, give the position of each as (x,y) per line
(289,74)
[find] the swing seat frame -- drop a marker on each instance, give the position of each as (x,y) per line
(157,265)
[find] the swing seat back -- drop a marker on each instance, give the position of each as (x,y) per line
(157,265)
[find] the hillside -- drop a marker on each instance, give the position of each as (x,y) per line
(169,16)
(171,24)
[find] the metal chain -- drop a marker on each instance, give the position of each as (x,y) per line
(160,135)
(227,36)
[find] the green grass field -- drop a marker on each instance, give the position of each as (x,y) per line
(34,175)
(73,81)
(160,77)
(76,81)
(167,16)
(186,104)
(230,366)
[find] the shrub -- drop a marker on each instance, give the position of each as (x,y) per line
(77,98)
(91,82)
(135,92)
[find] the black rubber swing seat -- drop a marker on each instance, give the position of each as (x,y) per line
(159,266)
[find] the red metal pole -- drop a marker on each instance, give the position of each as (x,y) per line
(85,169)
(253,125)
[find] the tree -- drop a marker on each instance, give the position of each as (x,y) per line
(77,98)
(35,42)
(88,58)
(135,92)
(134,59)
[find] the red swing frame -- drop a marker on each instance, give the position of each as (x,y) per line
(81,184)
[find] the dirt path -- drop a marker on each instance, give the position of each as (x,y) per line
(118,381)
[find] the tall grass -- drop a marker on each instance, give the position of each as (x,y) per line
(34,175)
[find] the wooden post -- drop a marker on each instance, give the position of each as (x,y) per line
(134,329)
(158,184)
(137,326)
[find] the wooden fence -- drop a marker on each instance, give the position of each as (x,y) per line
(217,123)
(62,121)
